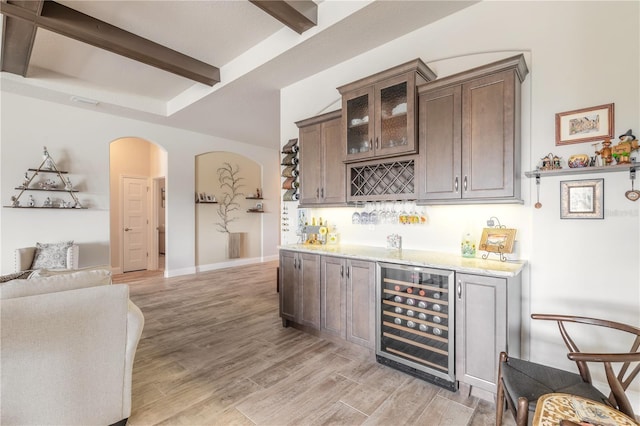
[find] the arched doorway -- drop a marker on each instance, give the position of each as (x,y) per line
(137,200)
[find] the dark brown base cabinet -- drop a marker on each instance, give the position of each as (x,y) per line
(331,294)
(300,288)
(469,133)
(335,297)
(487,322)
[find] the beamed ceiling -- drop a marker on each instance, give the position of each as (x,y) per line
(199,65)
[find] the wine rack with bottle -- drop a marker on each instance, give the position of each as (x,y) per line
(415,324)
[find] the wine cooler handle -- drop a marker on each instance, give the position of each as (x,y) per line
(459,289)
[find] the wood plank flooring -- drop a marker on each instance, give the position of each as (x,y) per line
(214,352)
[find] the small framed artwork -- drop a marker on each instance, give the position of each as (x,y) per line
(210,198)
(497,240)
(582,199)
(259,206)
(202,197)
(585,125)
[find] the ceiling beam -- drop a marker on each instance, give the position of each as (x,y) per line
(76,25)
(17,40)
(299,15)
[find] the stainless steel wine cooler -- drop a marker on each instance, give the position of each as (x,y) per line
(415,324)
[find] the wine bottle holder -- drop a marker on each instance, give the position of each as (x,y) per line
(290,170)
(391,180)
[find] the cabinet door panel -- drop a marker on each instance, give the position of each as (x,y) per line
(333,295)
(395,116)
(440,142)
(310,164)
(334,170)
(309,287)
(481,323)
(357,120)
(288,285)
(361,316)
(488,136)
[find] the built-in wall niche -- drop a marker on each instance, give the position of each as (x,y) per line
(242,228)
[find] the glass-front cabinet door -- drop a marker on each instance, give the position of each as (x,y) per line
(358,123)
(395,121)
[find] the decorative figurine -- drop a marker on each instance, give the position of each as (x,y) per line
(48,162)
(32,202)
(550,162)
(14,201)
(47,202)
(605,153)
(67,185)
(25,181)
(622,151)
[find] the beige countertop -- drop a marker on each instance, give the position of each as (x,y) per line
(430,259)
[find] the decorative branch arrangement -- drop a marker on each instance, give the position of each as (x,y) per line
(229,179)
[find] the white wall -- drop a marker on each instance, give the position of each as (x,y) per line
(81,136)
(586,267)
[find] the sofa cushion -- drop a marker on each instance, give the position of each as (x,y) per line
(51,272)
(51,255)
(54,283)
(22,275)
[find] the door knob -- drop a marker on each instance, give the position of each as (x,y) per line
(127,229)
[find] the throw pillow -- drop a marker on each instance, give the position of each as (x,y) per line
(51,255)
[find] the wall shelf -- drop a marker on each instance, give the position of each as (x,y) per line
(582,170)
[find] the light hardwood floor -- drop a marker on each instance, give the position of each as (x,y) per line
(214,352)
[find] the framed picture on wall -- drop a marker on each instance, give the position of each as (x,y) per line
(584,125)
(582,199)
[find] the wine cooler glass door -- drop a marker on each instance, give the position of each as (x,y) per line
(415,318)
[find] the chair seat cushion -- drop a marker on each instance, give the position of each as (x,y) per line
(530,380)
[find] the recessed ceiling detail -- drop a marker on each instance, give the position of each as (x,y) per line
(22,18)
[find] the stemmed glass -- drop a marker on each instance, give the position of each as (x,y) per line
(373,216)
(364,215)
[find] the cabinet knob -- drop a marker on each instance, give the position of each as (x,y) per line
(321,192)
(465,183)
(459,289)
(317,192)
(341,271)
(127,229)
(455,184)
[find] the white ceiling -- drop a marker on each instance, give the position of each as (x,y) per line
(256,54)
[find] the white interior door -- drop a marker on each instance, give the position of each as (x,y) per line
(135,223)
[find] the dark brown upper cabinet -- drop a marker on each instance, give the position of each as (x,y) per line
(379,112)
(322,168)
(469,135)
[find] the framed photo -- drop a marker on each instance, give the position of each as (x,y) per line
(582,199)
(584,125)
(497,240)
(202,197)
(209,197)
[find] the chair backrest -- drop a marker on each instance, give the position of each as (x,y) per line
(630,361)
(24,257)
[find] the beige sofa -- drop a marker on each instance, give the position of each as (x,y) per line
(67,347)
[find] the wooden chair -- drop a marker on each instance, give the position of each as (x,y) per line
(521,383)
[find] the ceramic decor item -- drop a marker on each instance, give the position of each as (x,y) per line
(579,160)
